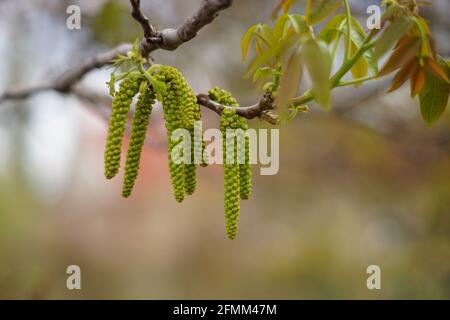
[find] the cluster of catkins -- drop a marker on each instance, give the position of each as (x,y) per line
(181,111)
(237,173)
(129,87)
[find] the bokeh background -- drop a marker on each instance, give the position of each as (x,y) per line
(367,183)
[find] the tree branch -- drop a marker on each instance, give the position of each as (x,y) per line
(67,79)
(171,39)
(70,77)
(258,110)
(149,30)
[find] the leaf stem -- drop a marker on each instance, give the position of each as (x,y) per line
(335,80)
(336,45)
(356,81)
(308,96)
(347,65)
(348,39)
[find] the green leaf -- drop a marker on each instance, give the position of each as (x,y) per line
(280,26)
(247,40)
(357,36)
(262,59)
(392,34)
(435,95)
(361,67)
(318,62)
(331,29)
(317,10)
(265,33)
(368,60)
(298,23)
(284,5)
(262,72)
(424,32)
(112,84)
(294,111)
(290,81)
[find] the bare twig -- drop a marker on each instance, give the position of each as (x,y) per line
(66,80)
(25,92)
(259,110)
(70,77)
(171,39)
(149,30)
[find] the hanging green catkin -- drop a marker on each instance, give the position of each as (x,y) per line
(139,126)
(173,107)
(199,146)
(245,172)
(191,114)
(229,120)
(120,108)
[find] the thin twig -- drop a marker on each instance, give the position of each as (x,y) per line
(136,13)
(259,110)
(171,39)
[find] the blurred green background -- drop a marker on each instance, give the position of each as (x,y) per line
(367,183)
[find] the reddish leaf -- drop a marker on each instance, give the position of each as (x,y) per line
(435,67)
(401,56)
(403,75)
(417,82)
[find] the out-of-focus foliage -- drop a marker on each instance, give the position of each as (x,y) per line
(293,41)
(112,24)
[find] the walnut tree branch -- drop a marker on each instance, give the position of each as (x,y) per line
(136,13)
(171,39)
(70,77)
(261,110)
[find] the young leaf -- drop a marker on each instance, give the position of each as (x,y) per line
(112,84)
(279,28)
(247,40)
(424,34)
(284,5)
(298,23)
(357,36)
(435,95)
(318,62)
(262,59)
(290,81)
(403,75)
(317,10)
(402,55)
(265,33)
(436,68)
(417,81)
(294,111)
(287,4)
(361,67)
(262,72)
(329,32)
(392,34)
